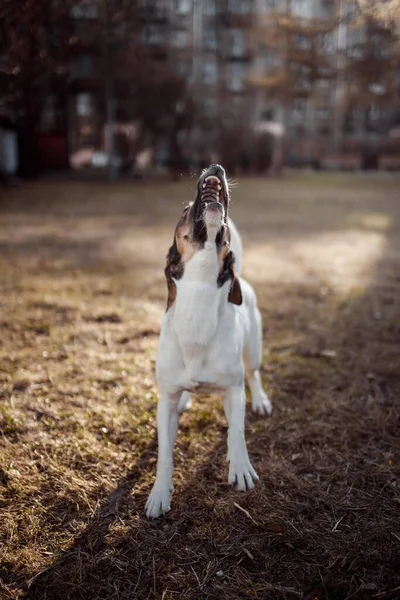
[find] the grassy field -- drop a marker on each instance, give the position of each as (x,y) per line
(82,294)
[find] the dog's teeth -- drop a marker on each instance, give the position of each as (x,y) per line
(219,187)
(204,185)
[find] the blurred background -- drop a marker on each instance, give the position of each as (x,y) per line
(137,87)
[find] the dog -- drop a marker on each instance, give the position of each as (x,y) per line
(210,334)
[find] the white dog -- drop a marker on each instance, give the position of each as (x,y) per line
(212,322)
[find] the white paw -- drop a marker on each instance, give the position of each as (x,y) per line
(185,402)
(242,474)
(261,404)
(158,503)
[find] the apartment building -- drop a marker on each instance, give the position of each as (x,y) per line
(314,66)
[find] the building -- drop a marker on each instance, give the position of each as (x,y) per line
(317,68)
(327,74)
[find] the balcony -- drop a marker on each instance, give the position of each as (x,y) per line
(275,81)
(305,25)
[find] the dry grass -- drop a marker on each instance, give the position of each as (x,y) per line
(82,295)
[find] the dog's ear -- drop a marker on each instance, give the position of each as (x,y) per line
(173,270)
(228,273)
(171,292)
(235,293)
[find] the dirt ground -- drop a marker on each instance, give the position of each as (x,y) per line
(82,294)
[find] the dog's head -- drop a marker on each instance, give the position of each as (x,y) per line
(203,220)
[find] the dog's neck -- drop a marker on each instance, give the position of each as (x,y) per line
(198,302)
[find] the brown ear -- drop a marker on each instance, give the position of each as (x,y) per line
(228,273)
(173,270)
(235,293)
(171,292)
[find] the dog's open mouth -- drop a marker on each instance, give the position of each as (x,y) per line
(212,191)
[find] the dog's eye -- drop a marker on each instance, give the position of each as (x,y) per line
(185,237)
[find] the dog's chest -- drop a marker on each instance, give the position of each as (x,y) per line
(208,346)
(201,344)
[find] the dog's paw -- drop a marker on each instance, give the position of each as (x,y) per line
(158,503)
(185,402)
(242,474)
(261,404)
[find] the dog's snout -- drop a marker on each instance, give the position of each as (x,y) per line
(215,169)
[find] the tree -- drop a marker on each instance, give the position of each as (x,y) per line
(132,78)
(33,63)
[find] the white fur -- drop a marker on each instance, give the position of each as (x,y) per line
(203,341)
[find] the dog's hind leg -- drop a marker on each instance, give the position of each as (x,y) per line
(260,402)
(185,402)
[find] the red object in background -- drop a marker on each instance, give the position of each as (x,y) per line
(52,151)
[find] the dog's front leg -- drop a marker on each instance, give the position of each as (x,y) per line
(240,470)
(158,502)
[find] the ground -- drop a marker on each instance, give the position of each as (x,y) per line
(82,294)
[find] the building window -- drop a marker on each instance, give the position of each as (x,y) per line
(372,116)
(323,112)
(84,105)
(327,9)
(324,130)
(182,68)
(378,46)
(302,41)
(301,8)
(268,5)
(209,71)
(299,108)
(48,119)
(355,41)
(153,34)
(237,44)
(353,10)
(327,43)
(235,81)
(298,132)
(210,105)
(243,7)
(379,89)
(323,83)
(181,38)
(85,10)
(351,121)
(183,7)
(209,8)
(209,39)
(265,61)
(82,67)
(302,76)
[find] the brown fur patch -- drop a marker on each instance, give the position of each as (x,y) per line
(235,293)
(227,272)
